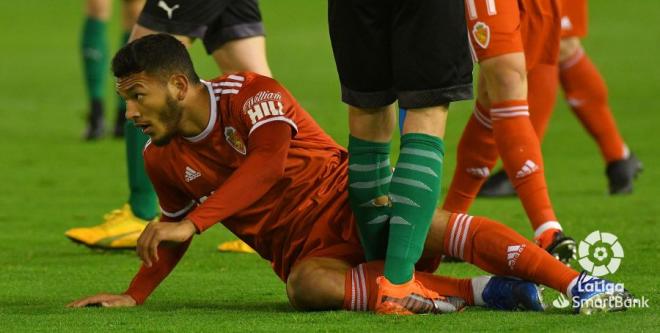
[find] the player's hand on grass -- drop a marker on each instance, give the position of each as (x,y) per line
(104,300)
(156,232)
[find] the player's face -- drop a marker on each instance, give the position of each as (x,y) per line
(151,106)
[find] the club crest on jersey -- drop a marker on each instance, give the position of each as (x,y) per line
(481,34)
(234,140)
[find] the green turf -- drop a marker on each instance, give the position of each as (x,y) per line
(51,181)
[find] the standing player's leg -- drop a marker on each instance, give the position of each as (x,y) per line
(364,70)
(543,84)
(498,43)
(94,49)
(429,73)
(585,91)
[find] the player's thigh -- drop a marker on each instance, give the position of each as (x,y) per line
(130,10)
(435,67)
(360,34)
(236,39)
(505,76)
(568,47)
(317,283)
(181,18)
(98,9)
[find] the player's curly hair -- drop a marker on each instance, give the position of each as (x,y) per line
(160,55)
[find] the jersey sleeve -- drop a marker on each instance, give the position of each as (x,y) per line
(264,101)
(261,170)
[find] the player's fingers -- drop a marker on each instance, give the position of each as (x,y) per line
(143,246)
(153,247)
(86,301)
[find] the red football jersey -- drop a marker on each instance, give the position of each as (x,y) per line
(188,171)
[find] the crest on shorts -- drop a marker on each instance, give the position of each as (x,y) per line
(234,140)
(481,34)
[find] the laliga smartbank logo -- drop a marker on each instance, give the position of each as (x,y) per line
(599,254)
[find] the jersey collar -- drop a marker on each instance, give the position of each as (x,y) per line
(212,119)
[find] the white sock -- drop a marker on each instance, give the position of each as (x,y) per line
(478,285)
(570,287)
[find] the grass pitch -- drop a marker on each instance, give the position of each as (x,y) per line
(51,181)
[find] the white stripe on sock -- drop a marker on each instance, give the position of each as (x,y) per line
(546,226)
(362,282)
(465,232)
(478,285)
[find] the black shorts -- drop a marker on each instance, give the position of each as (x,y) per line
(413,51)
(214,21)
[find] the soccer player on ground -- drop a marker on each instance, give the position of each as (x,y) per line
(232,32)
(94,51)
(416,53)
(586,93)
(508,42)
(240,149)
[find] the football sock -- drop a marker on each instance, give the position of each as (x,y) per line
(142,197)
(414,192)
(520,150)
(500,250)
(586,93)
(360,288)
(476,156)
(95,56)
(543,84)
(369,174)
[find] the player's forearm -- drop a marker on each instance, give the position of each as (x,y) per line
(245,187)
(147,279)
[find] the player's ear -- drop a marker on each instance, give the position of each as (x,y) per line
(179,83)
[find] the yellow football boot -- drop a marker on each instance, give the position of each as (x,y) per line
(236,246)
(120,230)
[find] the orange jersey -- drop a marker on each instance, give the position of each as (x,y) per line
(499,27)
(189,173)
(574,18)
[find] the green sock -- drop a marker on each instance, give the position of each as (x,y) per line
(121,104)
(142,198)
(95,56)
(369,174)
(414,191)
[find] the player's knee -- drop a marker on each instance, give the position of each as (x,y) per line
(99,9)
(506,77)
(312,286)
(568,47)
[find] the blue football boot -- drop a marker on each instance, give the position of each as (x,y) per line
(510,294)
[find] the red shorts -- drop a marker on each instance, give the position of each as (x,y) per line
(335,235)
(499,27)
(574,18)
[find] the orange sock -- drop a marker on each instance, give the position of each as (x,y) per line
(500,250)
(586,93)
(476,156)
(520,151)
(542,83)
(360,288)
